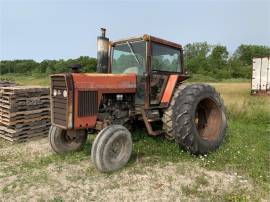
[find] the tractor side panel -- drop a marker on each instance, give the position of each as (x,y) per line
(88,93)
(168,92)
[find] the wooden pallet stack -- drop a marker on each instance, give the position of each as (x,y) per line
(4,83)
(24,112)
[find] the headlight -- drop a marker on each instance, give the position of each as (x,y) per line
(119,97)
(65,93)
(54,92)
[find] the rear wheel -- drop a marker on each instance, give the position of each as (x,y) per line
(63,141)
(198,119)
(167,116)
(112,148)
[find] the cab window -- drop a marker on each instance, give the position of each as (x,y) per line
(129,57)
(165,58)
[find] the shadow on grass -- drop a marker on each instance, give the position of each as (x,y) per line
(149,150)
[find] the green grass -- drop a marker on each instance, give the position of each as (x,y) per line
(204,78)
(245,149)
(44,79)
(34,79)
(56,199)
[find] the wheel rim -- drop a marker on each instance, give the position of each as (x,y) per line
(208,119)
(117,149)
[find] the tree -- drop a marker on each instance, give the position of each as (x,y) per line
(196,56)
(219,56)
(237,70)
(245,53)
(218,62)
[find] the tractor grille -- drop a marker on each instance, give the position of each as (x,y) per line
(87,103)
(59,102)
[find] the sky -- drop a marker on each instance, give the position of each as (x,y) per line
(63,29)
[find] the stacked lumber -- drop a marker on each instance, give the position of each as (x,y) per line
(4,83)
(24,112)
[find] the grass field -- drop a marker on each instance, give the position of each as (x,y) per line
(34,80)
(44,80)
(159,170)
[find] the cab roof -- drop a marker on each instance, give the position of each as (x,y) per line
(147,37)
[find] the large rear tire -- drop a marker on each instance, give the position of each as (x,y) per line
(167,116)
(198,120)
(63,141)
(112,148)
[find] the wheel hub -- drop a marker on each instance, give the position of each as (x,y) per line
(116,149)
(208,118)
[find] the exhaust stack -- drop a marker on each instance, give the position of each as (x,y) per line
(102,52)
(75,68)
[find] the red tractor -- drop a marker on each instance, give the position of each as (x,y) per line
(137,79)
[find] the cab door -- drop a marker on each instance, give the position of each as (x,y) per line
(165,62)
(157,87)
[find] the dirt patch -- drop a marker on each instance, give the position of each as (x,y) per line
(14,155)
(135,183)
(80,181)
(27,150)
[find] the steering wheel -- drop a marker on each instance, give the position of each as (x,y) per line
(134,70)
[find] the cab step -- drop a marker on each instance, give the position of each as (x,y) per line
(148,121)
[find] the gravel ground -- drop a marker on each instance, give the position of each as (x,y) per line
(80,181)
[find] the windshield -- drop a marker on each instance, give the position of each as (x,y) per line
(129,57)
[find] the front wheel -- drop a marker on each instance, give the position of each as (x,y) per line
(112,148)
(63,141)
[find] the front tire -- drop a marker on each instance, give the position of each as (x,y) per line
(112,148)
(63,141)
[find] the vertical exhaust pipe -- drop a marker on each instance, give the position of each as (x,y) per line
(102,52)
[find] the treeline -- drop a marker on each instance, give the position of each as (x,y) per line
(200,59)
(46,66)
(215,61)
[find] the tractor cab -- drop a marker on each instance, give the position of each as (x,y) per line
(154,61)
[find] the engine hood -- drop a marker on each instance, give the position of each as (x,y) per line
(105,83)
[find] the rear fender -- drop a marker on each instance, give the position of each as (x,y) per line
(168,92)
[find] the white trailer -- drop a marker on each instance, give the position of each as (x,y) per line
(260,83)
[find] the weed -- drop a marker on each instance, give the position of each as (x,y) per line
(57,199)
(201,180)
(190,190)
